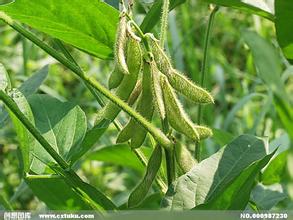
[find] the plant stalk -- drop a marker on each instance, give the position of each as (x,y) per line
(197,152)
(164,24)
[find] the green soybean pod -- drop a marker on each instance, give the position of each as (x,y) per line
(133,130)
(145,107)
(115,78)
(161,58)
(184,158)
(120,45)
(176,116)
(157,90)
(135,93)
(187,88)
(127,132)
(204,132)
(141,190)
(134,62)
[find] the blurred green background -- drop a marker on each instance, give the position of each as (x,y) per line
(244,98)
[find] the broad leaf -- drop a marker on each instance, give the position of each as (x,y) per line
(31,85)
(154,14)
(25,139)
(94,197)
(236,195)
(120,154)
(275,170)
(266,197)
(91,137)
(213,175)
(55,193)
(285,113)
(267,62)
(89,25)
(4,78)
(63,124)
(222,137)
(284,26)
(113,3)
(258,7)
(4,85)
(28,87)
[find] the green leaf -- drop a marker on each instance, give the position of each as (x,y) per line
(25,139)
(154,14)
(267,62)
(258,7)
(5,84)
(63,125)
(266,197)
(31,85)
(88,193)
(87,25)
(91,137)
(222,137)
(213,175)
(275,171)
(236,195)
(55,193)
(284,26)
(4,78)
(119,154)
(285,113)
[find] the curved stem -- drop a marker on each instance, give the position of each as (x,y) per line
(164,24)
(197,151)
(155,132)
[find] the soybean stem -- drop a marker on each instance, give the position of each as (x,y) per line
(207,38)
(169,153)
(25,55)
(164,24)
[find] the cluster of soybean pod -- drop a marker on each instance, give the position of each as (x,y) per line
(144,78)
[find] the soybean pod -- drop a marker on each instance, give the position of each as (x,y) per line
(141,190)
(157,90)
(178,81)
(120,45)
(184,158)
(115,78)
(134,62)
(176,116)
(145,107)
(204,132)
(187,88)
(133,130)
